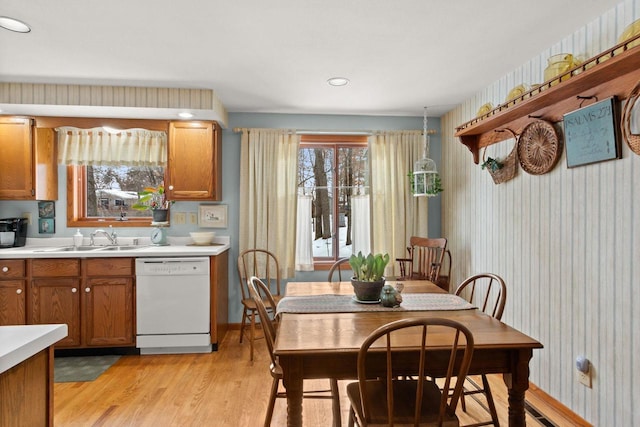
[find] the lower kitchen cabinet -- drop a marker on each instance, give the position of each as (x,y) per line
(57,300)
(94,297)
(12,292)
(108,302)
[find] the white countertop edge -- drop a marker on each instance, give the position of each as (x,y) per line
(20,342)
(178,246)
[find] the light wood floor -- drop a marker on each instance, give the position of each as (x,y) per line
(217,389)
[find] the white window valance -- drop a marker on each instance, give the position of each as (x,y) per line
(97,146)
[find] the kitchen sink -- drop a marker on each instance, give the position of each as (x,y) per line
(70,249)
(121,248)
(92,248)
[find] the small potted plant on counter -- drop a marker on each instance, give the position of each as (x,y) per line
(155,200)
(368,276)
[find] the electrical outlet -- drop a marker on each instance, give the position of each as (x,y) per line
(193,218)
(28,216)
(584,378)
(179,218)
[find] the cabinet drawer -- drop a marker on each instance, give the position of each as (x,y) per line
(55,267)
(11,268)
(109,267)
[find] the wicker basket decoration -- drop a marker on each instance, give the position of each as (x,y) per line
(539,147)
(504,170)
(633,141)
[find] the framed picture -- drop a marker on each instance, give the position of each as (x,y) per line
(592,134)
(46,225)
(214,216)
(46,209)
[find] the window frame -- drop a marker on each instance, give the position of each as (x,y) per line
(77,204)
(76,201)
(333,141)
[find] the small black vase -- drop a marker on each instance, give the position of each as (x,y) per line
(160,215)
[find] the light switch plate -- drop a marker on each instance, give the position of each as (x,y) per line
(179,218)
(193,218)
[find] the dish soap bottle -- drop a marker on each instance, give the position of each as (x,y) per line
(77,238)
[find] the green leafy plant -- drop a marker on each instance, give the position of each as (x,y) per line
(368,268)
(433,190)
(152,198)
(492,164)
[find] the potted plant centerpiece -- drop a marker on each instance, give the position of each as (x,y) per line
(368,275)
(155,200)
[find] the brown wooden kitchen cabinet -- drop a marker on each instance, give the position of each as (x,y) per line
(108,302)
(194,169)
(12,292)
(28,161)
(93,296)
(54,295)
(219,277)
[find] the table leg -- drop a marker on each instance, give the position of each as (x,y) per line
(518,382)
(293,383)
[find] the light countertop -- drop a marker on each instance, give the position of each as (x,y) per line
(178,246)
(20,342)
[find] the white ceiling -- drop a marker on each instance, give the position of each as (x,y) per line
(275,56)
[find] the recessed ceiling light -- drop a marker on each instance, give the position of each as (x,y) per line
(338,81)
(185,115)
(14,25)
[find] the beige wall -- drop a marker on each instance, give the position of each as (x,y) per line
(567,243)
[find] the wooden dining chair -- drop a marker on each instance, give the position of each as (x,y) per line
(392,398)
(425,259)
(266,307)
(338,267)
(488,292)
(260,263)
(444,276)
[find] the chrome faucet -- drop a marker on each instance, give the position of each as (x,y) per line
(113,237)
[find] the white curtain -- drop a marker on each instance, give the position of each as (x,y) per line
(130,147)
(396,214)
(304,243)
(268,193)
(361,224)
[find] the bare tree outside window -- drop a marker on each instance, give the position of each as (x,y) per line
(329,172)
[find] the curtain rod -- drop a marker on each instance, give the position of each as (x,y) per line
(333,132)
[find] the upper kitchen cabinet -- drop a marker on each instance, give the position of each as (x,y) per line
(28,161)
(194,169)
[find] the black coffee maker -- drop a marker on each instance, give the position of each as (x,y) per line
(13,232)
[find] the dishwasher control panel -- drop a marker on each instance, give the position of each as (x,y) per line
(172,266)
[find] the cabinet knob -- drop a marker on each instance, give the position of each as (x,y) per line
(5,269)
(171,187)
(18,291)
(87,290)
(74,290)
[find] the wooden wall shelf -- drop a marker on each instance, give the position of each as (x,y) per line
(613,72)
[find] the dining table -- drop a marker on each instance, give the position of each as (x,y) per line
(320,339)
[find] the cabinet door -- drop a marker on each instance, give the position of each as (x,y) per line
(194,170)
(108,311)
(16,161)
(57,301)
(12,302)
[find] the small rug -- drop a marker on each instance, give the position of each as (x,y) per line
(80,369)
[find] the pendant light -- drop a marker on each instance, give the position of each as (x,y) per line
(426,181)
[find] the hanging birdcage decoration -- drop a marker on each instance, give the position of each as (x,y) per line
(426,180)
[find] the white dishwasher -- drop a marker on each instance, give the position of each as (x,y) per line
(172,305)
